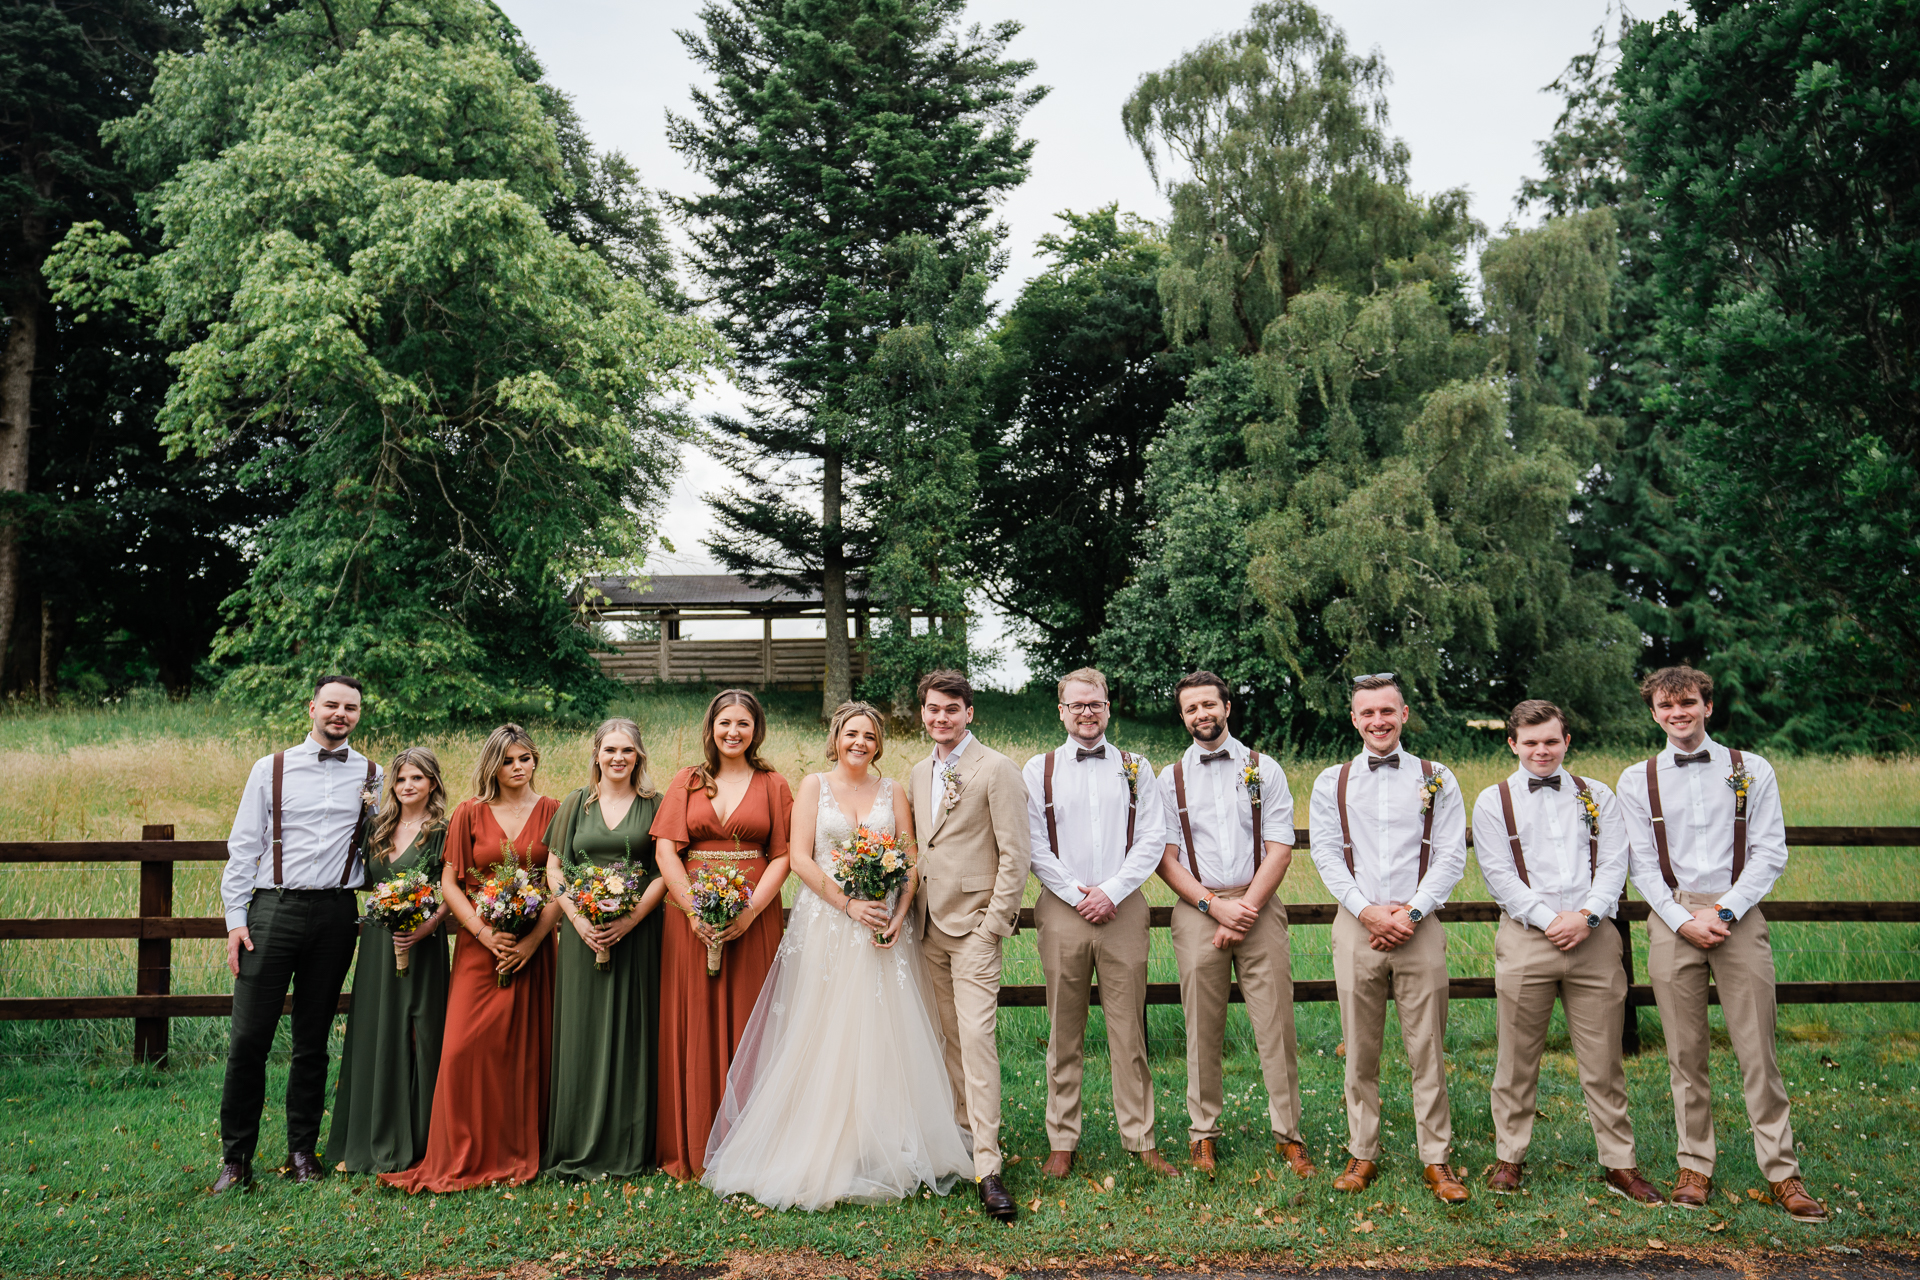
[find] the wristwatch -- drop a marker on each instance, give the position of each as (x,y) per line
(1205,905)
(1416,915)
(1593,921)
(1726,916)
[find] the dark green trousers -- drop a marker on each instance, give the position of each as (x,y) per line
(302,939)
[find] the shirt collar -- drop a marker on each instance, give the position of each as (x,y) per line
(953,757)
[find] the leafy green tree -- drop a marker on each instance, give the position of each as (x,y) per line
(462,405)
(834,129)
(65,69)
(1779,143)
(1086,379)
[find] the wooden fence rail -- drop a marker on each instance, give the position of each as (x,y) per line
(155,927)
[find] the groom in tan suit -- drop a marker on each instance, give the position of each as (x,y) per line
(970,813)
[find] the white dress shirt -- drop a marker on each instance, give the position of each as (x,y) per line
(1556,842)
(1090,817)
(319,808)
(1383,810)
(1698,806)
(1221,812)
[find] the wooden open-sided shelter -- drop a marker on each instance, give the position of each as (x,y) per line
(673,600)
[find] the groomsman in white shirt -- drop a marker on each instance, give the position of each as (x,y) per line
(1229,825)
(1709,841)
(1389,839)
(1095,819)
(1554,853)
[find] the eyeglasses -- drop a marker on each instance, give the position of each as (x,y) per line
(1084,708)
(1378,675)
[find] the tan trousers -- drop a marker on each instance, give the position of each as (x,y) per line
(1071,952)
(1417,970)
(966,986)
(1742,970)
(1264,962)
(1528,972)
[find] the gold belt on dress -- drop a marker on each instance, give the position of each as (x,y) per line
(742,853)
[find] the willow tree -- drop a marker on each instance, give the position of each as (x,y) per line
(463,403)
(834,129)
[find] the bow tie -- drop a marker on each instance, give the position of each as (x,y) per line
(1534,784)
(1221,754)
(1698,757)
(340,755)
(1098,753)
(1383,762)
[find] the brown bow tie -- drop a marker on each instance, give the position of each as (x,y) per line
(340,755)
(1534,784)
(1383,762)
(1097,753)
(1698,757)
(1221,754)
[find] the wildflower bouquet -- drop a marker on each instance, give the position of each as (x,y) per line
(869,865)
(510,899)
(720,894)
(402,904)
(605,893)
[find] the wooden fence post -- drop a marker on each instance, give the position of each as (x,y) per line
(155,974)
(1630,1025)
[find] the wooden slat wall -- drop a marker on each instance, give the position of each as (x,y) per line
(736,662)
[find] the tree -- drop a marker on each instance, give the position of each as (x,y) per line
(835,128)
(65,69)
(1086,378)
(461,405)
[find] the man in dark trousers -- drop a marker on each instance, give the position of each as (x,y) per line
(293,862)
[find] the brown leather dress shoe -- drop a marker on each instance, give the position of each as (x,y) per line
(1202,1156)
(1691,1190)
(1447,1187)
(234,1173)
(1629,1185)
(1059,1164)
(1793,1197)
(1505,1177)
(1357,1176)
(1156,1162)
(306,1167)
(995,1200)
(1295,1154)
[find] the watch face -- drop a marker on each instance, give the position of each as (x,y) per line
(1726,915)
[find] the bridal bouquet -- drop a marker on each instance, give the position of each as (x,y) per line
(402,904)
(869,865)
(510,899)
(720,893)
(604,894)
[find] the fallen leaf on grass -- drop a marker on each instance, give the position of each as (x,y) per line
(1655,1242)
(1035,1206)
(1731,1198)
(1718,1226)
(1361,1228)
(1761,1196)
(1106,1183)
(1563,1233)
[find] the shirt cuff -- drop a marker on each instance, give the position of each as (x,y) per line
(1355,901)
(1115,894)
(1598,907)
(1424,903)
(1674,914)
(236,919)
(1540,917)
(1735,902)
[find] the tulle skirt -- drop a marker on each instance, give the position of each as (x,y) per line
(838,1091)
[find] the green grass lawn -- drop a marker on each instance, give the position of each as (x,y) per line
(103,1167)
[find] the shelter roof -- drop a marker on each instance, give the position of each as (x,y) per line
(694,591)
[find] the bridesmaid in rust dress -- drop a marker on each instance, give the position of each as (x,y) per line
(490,1103)
(733,808)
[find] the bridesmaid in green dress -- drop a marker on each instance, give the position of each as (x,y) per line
(606,1021)
(392,1053)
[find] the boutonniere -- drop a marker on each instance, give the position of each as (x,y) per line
(1130,770)
(1585,796)
(1740,781)
(1250,779)
(369,796)
(950,785)
(1430,790)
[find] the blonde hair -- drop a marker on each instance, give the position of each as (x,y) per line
(1085,675)
(493,754)
(386,818)
(642,784)
(847,711)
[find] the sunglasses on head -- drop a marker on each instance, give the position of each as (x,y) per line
(1378,675)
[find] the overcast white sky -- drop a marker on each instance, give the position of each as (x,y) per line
(1465,96)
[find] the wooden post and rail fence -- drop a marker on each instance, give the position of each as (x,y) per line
(155,927)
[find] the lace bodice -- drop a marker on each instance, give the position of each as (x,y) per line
(833,824)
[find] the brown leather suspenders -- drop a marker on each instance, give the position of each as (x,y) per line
(353,841)
(1660,825)
(1346,831)
(1582,787)
(1186,823)
(1046,787)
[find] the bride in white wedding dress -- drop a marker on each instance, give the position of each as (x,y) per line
(839,1091)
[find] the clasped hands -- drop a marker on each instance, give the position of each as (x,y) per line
(1706,930)
(510,953)
(1389,924)
(874,915)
